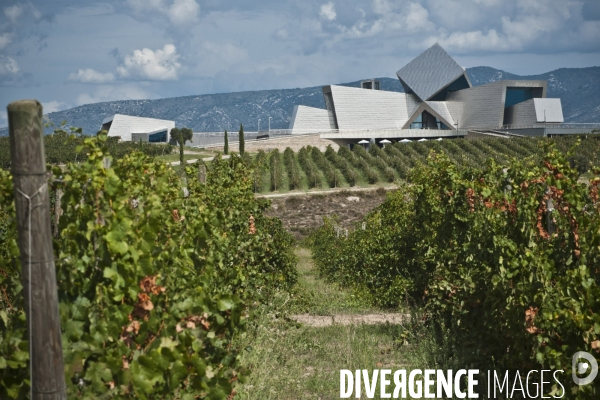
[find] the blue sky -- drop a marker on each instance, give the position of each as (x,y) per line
(66,52)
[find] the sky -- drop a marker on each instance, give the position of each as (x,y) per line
(67,53)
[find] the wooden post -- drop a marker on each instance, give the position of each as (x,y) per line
(202,173)
(35,244)
(57,211)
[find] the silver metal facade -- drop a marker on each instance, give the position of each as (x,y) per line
(309,119)
(436,86)
(483,106)
(430,73)
(371,109)
(548,110)
(125,125)
(520,114)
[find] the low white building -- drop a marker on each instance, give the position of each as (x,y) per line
(130,128)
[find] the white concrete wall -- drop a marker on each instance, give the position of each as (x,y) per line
(125,125)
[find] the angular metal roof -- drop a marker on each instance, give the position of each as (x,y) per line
(430,73)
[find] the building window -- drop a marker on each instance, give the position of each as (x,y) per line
(516,95)
(417,123)
(158,137)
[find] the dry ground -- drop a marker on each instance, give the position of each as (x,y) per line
(301,214)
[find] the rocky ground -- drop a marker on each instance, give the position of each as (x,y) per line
(301,214)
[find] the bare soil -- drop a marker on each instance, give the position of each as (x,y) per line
(302,214)
(351,319)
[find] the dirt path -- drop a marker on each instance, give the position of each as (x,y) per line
(350,319)
(334,306)
(300,341)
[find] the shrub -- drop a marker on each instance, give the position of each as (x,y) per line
(275,170)
(483,254)
(289,159)
(359,164)
(309,168)
(321,161)
(152,282)
(342,164)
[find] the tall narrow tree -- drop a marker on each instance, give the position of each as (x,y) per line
(181,136)
(241,139)
(226,146)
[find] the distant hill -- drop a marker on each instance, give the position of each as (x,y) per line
(578,88)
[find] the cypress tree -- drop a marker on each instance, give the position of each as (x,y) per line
(226,146)
(241,139)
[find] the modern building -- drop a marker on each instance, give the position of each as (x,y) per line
(438,101)
(130,128)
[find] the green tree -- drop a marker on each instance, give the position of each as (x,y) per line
(226,147)
(181,136)
(241,135)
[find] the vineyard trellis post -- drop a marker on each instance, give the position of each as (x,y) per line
(38,273)
(202,173)
(551,227)
(57,210)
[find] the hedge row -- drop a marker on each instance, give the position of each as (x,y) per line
(309,168)
(153,280)
(506,257)
(342,164)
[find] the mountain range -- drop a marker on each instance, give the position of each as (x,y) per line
(578,89)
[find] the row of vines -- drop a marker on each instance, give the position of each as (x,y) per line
(63,147)
(505,257)
(310,168)
(156,272)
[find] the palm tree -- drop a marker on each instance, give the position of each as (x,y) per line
(181,136)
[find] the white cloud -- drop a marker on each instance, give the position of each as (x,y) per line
(328,11)
(4,40)
(128,91)
(477,41)
(417,18)
(153,65)
(89,75)
(184,11)
(53,106)
(8,65)
(180,12)
(3,118)
(13,12)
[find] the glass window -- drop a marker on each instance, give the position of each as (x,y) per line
(158,137)
(517,95)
